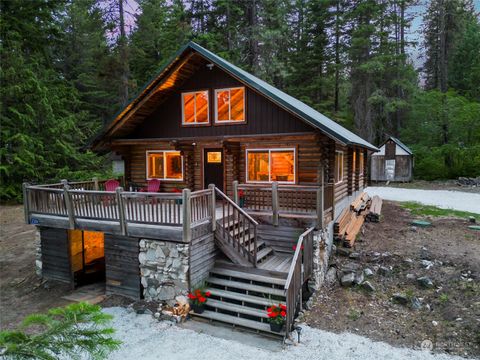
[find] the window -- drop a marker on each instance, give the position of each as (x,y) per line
(354,162)
(166,165)
(195,108)
(230,105)
(267,165)
(361,163)
(338,167)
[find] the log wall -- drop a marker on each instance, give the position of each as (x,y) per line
(56,254)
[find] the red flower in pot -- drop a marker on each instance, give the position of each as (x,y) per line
(277,315)
(198,299)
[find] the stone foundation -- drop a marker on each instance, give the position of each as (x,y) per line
(38,252)
(163,270)
(321,254)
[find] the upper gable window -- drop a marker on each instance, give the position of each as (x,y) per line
(230,105)
(195,108)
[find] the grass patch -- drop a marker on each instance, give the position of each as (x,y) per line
(354,314)
(429,210)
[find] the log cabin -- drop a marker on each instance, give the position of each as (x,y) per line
(251,180)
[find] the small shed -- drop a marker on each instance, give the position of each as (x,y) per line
(394,162)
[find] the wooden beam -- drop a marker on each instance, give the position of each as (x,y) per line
(26,205)
(68,205)
(187,211)
(275,203)
(121,210)
(213,208)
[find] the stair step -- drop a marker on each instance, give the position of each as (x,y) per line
(260,243)
(257,325)
(237,308)
(246,286)
(248,276)
(264,253)
(242,297)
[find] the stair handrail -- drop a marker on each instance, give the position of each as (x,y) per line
(295,278)
(252,259)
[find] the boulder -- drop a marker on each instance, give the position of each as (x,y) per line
(385,271)
(368,272)
(342,251)
(354,256)
(348,279)
(415,303)
(427,264)
(359,277)
(331,277)
(366,285)
(401,299)
(425,282)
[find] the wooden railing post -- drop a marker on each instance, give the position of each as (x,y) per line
(26,204)
(275,203)
(321,202)
(213,208)
(68,204)
(95,183)
(235,192)
(121,210)
(187,211)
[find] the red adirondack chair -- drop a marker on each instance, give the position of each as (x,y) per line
(153,185)
(110,185)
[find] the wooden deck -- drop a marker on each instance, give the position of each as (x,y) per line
(280,263)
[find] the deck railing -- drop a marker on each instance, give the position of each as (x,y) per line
(301,269)
(73,202)
(282,200)
(245,227)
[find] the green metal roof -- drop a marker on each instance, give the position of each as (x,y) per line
(309,114)
(302,110)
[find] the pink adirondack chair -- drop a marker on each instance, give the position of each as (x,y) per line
(153,185)
(110,185)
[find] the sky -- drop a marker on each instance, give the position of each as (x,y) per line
(413,35)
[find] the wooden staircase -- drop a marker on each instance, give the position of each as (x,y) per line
(232,234)
(240,296)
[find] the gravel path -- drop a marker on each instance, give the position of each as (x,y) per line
(147,339)
(441,198)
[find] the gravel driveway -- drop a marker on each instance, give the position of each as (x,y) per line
(457,200)
(147,339)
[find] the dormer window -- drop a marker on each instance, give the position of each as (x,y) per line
(195,109)
(230,105)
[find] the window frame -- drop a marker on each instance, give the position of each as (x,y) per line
(215,102)
(361,162)
(148,152)
(269,150)
(182,95)
(340,167)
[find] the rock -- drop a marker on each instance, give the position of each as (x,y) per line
(385,271)
(415,303)
(166,292)
(368,272)
(425,254)
(434,323)
(366,285)
(427,264)
(350,268)
(309,304)
(150,256)
(408,261)
(354,256)
(181,300)
(413,228)
(342,251)
(347,280)
(156,315)
(331,277)
(425,282)
(411,277)
(359,277)
(401,299)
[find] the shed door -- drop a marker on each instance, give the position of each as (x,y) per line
(390,170)
(122,266)
(213,167)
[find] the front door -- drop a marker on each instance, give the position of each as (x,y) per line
(213,167)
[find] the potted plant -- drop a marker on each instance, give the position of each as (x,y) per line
(277,315)
(198,299)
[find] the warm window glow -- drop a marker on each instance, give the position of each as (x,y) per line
(361,163)
(354,161)
(94,245)
(195,108)
(165,165)
(230,105)
(214,157)
(271,165)
(338,166)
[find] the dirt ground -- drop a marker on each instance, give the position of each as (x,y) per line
(449,315)
(21,291)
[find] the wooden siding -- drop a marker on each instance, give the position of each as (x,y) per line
(55,254)
(122,266)
(203,252)
(279,238)
(263,116)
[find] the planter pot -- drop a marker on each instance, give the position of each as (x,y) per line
(197,309)
(178,201)
(276,327)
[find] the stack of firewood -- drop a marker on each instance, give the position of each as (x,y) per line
(350,221)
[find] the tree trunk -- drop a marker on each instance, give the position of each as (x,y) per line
(337,57)
(125,69)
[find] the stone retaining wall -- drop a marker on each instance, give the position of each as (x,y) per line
(163,270)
